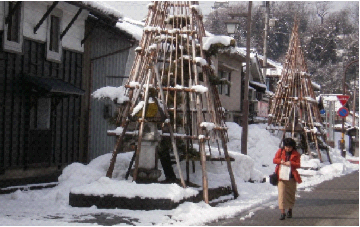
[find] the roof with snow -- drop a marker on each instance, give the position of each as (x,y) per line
(208,41)
(133,27)
(103,7)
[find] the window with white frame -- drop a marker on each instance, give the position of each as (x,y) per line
(13,26)
(224,88)
(53,44)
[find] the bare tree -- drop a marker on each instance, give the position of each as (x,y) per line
(322,8)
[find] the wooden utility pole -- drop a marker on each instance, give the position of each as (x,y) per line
(267,12)
(342,141)
(245,122)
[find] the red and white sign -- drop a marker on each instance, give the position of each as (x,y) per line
(343,99)
(343,112)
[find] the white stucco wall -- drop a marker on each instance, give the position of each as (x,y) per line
(33,12)
(232,102)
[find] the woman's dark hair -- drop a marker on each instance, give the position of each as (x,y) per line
(289,142)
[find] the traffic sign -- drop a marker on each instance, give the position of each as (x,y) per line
(322,111)
(343,112)
(343,99)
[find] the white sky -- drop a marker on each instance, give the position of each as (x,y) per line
(138,9)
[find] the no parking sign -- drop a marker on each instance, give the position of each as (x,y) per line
(343,112)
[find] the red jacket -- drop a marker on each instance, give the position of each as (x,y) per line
(294,161)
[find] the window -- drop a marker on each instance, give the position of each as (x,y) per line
(40,113)
(259,96)
(54,45)
(54,33)
(43,113)
(224,88)
(13,27)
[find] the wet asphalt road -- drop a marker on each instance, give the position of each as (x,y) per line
(334,202)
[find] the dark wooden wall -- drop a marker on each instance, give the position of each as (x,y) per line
(15,104)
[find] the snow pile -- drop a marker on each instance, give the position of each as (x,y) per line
(107,186)
(208,125)
(199,88)
(117,131)
(201,60)
(208,41)
(39,207)
(138,107)
(112,93)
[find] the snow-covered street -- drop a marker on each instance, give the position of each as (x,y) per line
(51,206)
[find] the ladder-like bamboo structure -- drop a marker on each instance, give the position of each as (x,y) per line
(169,60)
(294,108)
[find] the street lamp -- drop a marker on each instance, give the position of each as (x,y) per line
(231,26)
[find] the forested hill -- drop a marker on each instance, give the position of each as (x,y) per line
(329,37)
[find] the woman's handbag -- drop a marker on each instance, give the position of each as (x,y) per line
(284,172)
(273,179)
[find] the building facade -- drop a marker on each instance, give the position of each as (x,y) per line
(42,87)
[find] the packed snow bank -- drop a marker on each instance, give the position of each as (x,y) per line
(107,186)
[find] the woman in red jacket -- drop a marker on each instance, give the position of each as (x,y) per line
(288,156)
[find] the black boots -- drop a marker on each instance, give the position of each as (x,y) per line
(282,217)
(289,213)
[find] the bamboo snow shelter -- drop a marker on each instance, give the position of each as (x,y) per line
(172,71)
(294,109)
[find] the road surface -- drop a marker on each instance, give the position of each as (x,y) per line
(334,202)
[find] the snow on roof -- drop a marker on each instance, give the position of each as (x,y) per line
(208,41)
(315,85)
(133,27)
(257,84)
(103,7)
(208,34)
(272,71)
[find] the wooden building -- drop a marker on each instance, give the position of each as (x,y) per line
(231,65)
(42,87)
(108,57)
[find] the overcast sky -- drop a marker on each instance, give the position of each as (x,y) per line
(138,9)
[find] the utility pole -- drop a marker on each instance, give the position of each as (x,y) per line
(342,141)
(354,105)
(267,12)
(244,135)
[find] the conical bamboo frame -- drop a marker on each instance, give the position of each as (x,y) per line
(295,99)
(169,59)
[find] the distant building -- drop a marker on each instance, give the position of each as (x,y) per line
(218,5)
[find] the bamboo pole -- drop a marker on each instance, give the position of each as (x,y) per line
(141,130)
(204,173)
(170,129)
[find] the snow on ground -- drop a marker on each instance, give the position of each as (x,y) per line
(50,206)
